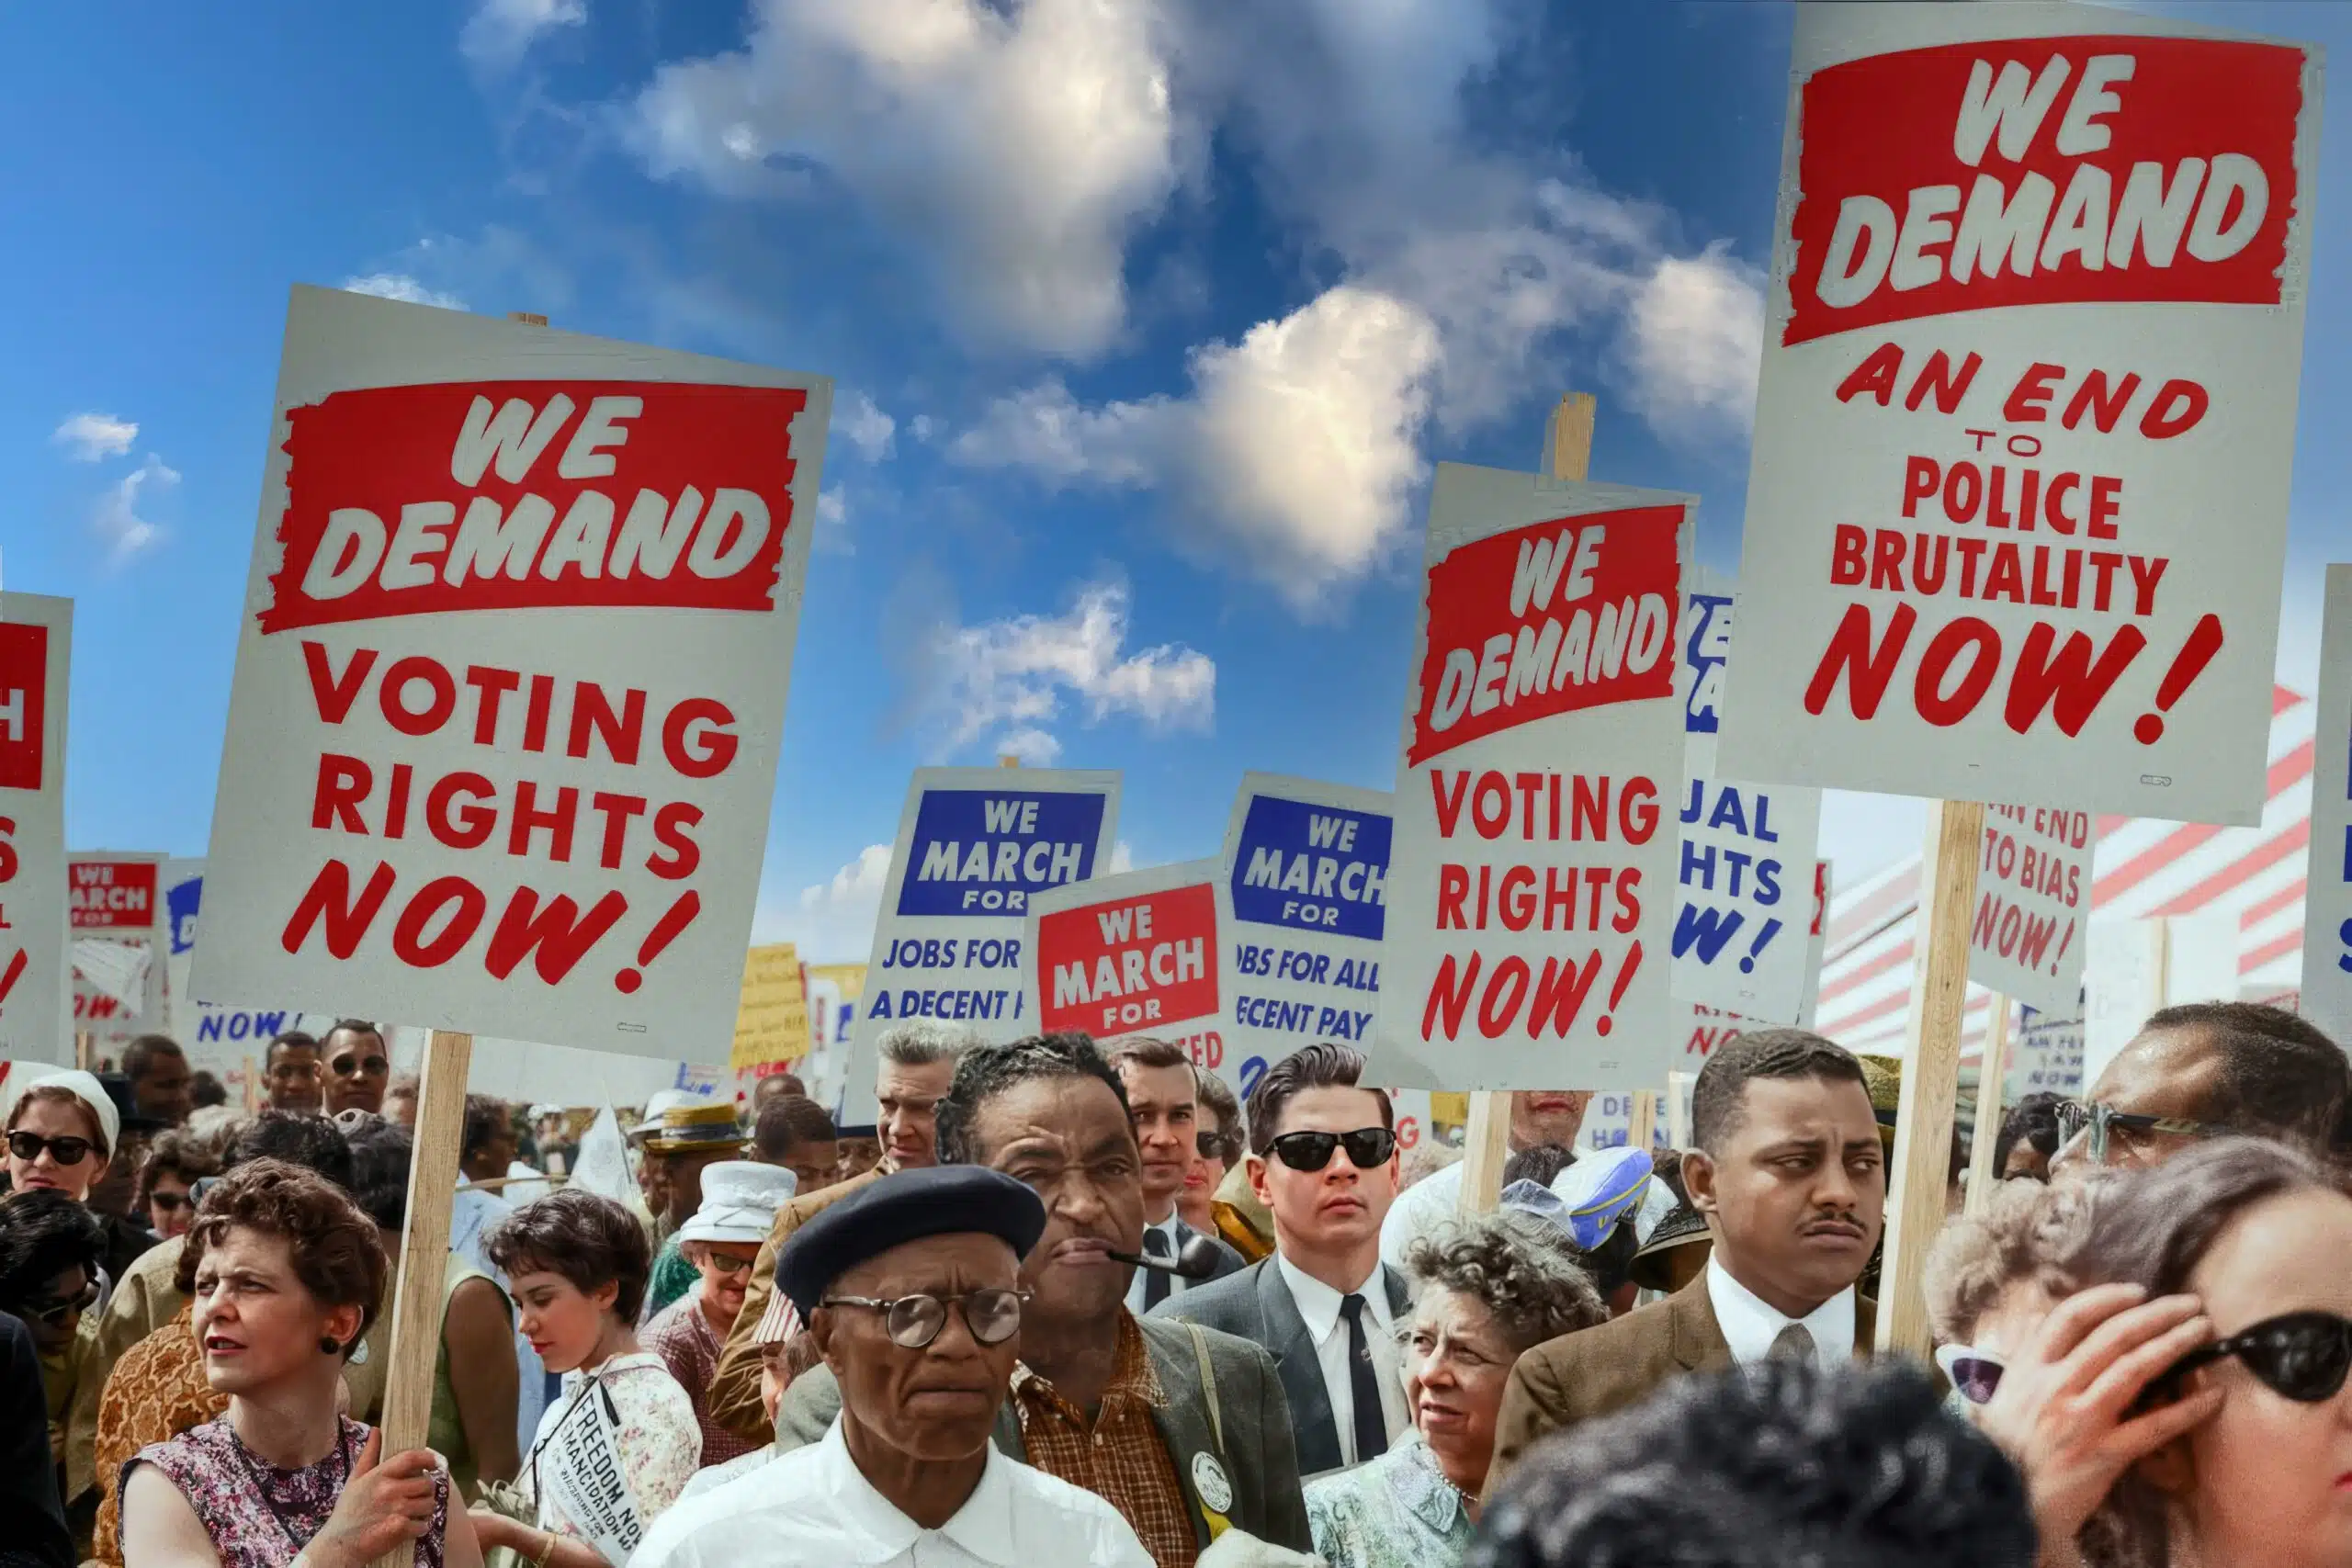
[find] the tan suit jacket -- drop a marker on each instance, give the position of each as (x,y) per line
(1599,1370)
(735,1387)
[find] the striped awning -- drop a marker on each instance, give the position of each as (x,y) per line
(2142,869)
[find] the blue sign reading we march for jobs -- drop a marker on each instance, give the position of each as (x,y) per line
(1304,891)
(985,851)
(1743,910)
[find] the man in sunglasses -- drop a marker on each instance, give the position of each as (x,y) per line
(1164,1104)
(2203,1069)
(1323,1161)
(910,1288)
(358,1067)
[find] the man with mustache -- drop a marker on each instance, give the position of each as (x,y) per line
(1186,1433)
(910,1287)
(1791,1179)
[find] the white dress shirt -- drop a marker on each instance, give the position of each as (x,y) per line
(1177,1283)
(1749,1326)
(812,1508)
(1318,1306)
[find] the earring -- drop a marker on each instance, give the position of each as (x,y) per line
(329,1346)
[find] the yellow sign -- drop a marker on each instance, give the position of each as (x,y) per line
(772,1020)
(850,978)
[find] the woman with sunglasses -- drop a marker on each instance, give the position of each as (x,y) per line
(576,1264)
(62,1133)
(740,1199)
(1216,1149)
(2186,1406)
(165,1196)
(1987,1280)
(49,1248)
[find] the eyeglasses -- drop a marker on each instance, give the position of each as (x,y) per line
(913,1322)
(27,1146)
(1975,1373)
(1368,1148)
(351,1066)
(171,1203)
(2104,1122)
(54,1312)
(2303,1355)
(1212,1144)
(720,1263)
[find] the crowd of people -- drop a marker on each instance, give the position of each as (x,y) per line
(1074,1304)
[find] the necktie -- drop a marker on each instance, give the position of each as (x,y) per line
(1793,1343)
(1363,1384)
(1156,1283)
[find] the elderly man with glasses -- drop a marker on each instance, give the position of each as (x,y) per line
(910,1290)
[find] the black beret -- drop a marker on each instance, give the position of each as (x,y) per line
(940,1200)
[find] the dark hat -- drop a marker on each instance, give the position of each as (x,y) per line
(909,1205)
(1681,1225)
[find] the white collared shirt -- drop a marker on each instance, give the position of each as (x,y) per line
(1749,1326)
(1177,1283)
(812,1508)
(1319,1307)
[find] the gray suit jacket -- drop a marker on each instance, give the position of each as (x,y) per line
(1256,1305)
(1258,1458)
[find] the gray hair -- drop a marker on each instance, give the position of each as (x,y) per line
(1521,1269)
(922,1042)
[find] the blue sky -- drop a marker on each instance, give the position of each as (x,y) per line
(1148,325)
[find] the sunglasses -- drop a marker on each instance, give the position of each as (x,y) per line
(913,1322)
(1975,1373)
(2303,1355)
(27,1146)
(720,1263)
(172,1203)
(2104,1123)
(54,1313)
(1368,1148)
(353,1066)
(1214,1145)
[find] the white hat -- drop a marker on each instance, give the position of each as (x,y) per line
(740,1199)
(85,1087)
(661,1100)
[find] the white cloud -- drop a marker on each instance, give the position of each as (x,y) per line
(1030,748)
(87,438)
(1298,446)
(501,32)
(859,882)
(1010,679)
(1016,146)
(867,427)
(1121,859)
(1693,342)
(116,520)
(400,286)
(831,921)
(833,535)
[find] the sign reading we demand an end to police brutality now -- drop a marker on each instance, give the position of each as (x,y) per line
(2018,505)
(1532,880)
(519,624)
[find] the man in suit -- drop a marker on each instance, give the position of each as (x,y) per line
(1163,1101)
(1323,1161)
(1186,1434)
(1791,1180)
(917,1060)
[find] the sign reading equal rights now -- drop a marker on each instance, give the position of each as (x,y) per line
(518,629)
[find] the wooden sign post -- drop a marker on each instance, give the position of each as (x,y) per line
(1915,1203)
(1990,1075)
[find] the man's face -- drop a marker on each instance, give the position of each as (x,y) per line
(294,1078)
(165,1092)
(813,1165)
(653,1181)
(859,1156)
(2173,1073)
(357,1068)
(686,1178)
(1797,1191)
(1164,1104)
(1338,1206)
(909,1100)
(938,1403)
(1066,1140)
(1548,1116)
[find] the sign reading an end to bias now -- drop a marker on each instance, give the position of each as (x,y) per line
(1134,954)
(1304,879)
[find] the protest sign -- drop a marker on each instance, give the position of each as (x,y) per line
(772,1014)
(2035,323)
(1304,888)
(116,903)
(1740,916)
(1135,954)
(518,629)
(2327,879)
(2046,1056)
(36,647)
(2027,941)
(1530,891)
(975,846)
(183,894)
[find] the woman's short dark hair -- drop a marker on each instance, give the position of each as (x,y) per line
(1319,1065)
(591,1241)
(205,1088)
(175,1153)
(485,1120)
(312,1142)
(1218,1101)
(1520,1267)
(333,1245)
(43,1233)
(2032,1120)
(381,1153)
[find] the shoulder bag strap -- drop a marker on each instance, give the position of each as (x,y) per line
(1208,1387)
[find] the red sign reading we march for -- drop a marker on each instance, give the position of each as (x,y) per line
(1531,878)
(2018,505)
(503,737)
(1130,954)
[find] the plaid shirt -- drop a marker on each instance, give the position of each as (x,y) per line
(1120,1457)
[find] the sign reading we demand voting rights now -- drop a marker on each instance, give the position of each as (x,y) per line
(1305,885)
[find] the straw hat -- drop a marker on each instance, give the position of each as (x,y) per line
(655,1108)
(740,1199)
(698,1126)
